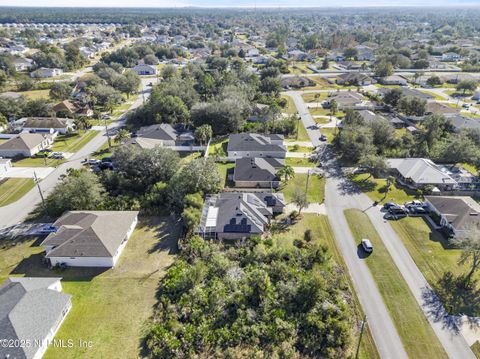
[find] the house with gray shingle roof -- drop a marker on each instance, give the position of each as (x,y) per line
(257,172)
(256,145)
(163,135)
(31,311)
(238,215)
(89,238)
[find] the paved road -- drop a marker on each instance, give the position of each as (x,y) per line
(17,212)
(340,195)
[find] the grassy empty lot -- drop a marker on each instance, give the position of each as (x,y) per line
(314,97)
(12,189)
(322,233)
(291,109)
(110,306)
(416,333)
(316,187)
(37,162)
(36,94)
(297,148)
(299,162)
(74,142)
(375,188)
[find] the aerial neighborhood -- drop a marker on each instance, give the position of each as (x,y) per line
(218,183)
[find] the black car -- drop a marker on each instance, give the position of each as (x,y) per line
(323,138)
(107,160)
(389,205)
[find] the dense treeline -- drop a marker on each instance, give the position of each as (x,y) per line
(253,300)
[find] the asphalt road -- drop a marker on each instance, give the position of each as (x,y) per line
(16,212)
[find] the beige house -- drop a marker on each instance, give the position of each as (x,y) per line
(25,144)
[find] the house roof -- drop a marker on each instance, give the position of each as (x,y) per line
(46,122)
(347,98)
(441,108)
(164,132)
(256,142)
(420,171)
(460,122)
(28,311)
(238,212)
(461,212)
(24,141)
(89,233)
(257,169)
(66,105)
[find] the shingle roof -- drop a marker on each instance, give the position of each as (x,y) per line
(24,141)
(46,122)
(255,142)
(89,233)
(257,169)
(461,212)
(28,311)
(420,171)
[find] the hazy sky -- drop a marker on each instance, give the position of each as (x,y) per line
(235,3)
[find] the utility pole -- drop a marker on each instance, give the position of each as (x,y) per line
(362,328)
(108,135)
(39,189)
(308,179)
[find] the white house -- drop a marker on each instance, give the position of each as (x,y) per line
(22,64)
(46,72)
(90,238)
(31,311)
(25,144)
(144,69)
(47,125)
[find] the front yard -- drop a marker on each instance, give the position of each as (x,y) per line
(376,189)
(74,142)
(12,189)
(110,307)
(316,187)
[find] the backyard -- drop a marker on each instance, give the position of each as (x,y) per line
(415,332)
(110,306)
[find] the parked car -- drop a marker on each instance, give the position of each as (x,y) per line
(395,216)
(414,203)
(323,138)
(47,229)
(417,210)
(93,162)
(466,105)
(367,245)
(107,159)
(106,116)
(57,155)
(397,210)
(389,205)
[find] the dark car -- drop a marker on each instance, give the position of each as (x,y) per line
(106,166)
(323,138)
(395,216)
(389,205)
(107,160)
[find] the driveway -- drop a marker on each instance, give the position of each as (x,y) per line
(28,172)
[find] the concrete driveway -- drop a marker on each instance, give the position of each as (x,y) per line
(28,172)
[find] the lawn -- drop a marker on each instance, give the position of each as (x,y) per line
(415,332)
(104,151)
(74,142)
(299,162)
(312,96)
(435,95)
(36,94)
(375,189)
(219,146)
(290,108)
(321,84)
(330,132)
(110,307)
(225,169)
(12,189)
(316,187)
(322,233)
(302,133)
(319,111)
(300,149)
(37,162)
(470,168)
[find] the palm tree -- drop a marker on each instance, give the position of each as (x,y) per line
(203,133)
(110,105)
(316,96)
(286,173)
(121,136)
(81,123)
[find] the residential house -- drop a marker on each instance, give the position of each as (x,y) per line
(393,80)
(47,125)
(238,215)
(22,64)
(72,109)
(144,69)
(89,238)
(298,55)
(451,57)
(253,52)
(25,145)
(255,145)
(460,122)
(296,82)
(346,100)
(257,172)
(420,172)
(365,53)
(31,311)
(5,165)
(163,135)
(44,72)
(406,91)
(455,214)
(441,109)
(354,79)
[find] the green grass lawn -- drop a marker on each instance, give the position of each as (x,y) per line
(312,97)
(104,151)
(415,332)
(435,95)
(299,162)
(375,189)
(219,146)
(300,149)
(74,142)
(322,233)
(225,169)
(110,307)
(291,109)
(316,187)
(470,168)
(37,162)
(330,132)
(319,111)
(12,189)
(302,133)
(36,94)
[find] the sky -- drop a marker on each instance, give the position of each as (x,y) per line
(234,3)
